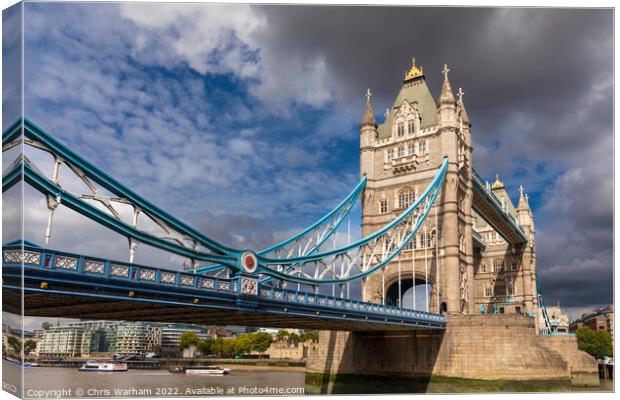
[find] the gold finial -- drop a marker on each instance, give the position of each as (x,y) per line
(460,94)
(414,72)
(368,96)
(497,184)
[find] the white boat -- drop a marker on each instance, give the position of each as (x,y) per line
(206,370)
(96,366)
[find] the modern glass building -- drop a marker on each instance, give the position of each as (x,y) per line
(171,336)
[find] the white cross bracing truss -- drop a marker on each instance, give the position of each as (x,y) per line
(302,258)
(310,239)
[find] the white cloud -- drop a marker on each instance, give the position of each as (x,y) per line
(241,146)
(230,38)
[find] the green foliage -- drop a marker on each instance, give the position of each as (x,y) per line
(245,343)
(216,346)
(281,335)
(309,336)
(188,339)
(293,337)
(605,346)
(205,346)
(228,347)
(29,346)
(261,341)
(15,343)
(597,344)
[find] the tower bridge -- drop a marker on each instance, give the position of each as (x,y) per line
(429,223)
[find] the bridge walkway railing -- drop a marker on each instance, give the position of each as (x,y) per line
(240,285)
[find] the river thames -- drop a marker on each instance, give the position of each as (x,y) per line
(51,382)
(54,382)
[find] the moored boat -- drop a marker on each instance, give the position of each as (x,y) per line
(96,366)
(200,370)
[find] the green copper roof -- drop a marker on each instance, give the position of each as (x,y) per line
(413,91)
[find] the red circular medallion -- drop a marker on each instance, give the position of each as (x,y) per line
(249,262)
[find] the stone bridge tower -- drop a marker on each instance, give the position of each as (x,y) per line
(470,268)
(476,250)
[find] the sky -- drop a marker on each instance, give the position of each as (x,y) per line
(244,119)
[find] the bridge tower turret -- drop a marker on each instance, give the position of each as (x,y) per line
(528,255)
(368,135)
(456,245)
(465,149)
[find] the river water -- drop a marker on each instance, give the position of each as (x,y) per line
(53,382)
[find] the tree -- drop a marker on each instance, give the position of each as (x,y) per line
(597,344)
(309,336)
(281,335)
(188,339)
(15,343)
(206,346)
(228,347)
(604,347)
(261,341)
(294,338)
(243,344)
(29,346)
(217,346)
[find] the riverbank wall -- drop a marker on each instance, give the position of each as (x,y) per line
(486,347)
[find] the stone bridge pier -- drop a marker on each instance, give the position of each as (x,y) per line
(490,347)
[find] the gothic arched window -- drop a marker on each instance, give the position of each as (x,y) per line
(411,124)
(400,129)
(406,198)
(498,265)
(422,147)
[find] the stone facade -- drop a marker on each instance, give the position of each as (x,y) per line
(283,349)
(400,157)
(485,287)
(472,346)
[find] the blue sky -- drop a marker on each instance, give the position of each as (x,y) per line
(200,141)
(243,120)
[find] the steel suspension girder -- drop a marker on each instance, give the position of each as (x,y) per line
(297,259)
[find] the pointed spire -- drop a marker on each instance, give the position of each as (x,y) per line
(369,114)
(462,105)
(446,97)
(523,199)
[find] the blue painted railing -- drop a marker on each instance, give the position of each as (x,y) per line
(35,257)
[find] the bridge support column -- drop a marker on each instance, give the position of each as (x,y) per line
(488,347)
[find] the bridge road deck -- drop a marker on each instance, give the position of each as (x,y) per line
(67,285)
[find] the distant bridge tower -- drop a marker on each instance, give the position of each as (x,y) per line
(400,157)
